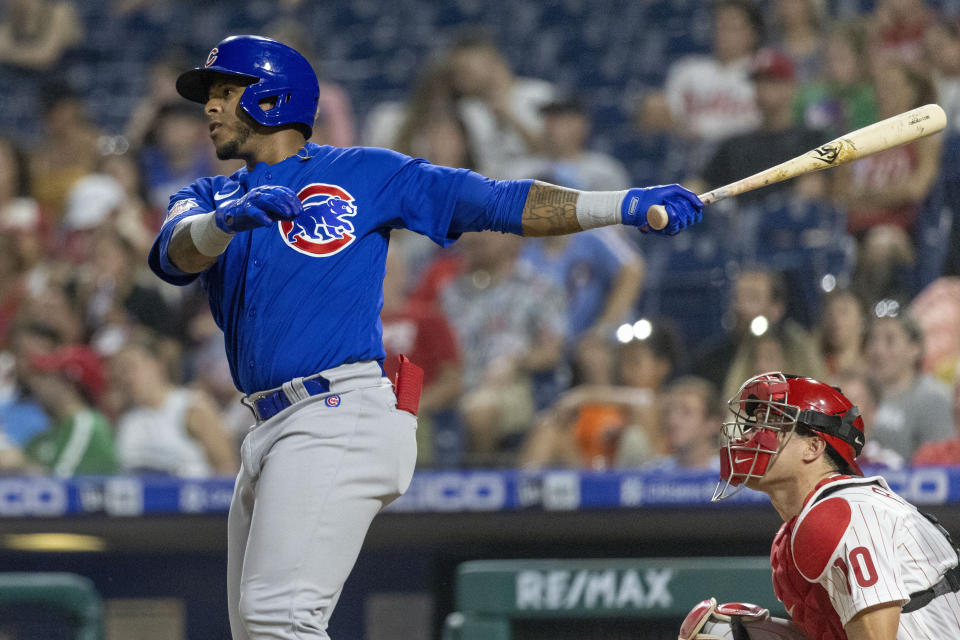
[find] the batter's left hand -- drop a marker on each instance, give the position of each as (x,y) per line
(260,207)
(683,208)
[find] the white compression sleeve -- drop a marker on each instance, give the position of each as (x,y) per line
(209,239)
(599,208)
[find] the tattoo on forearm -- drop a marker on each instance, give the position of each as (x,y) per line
(550,210)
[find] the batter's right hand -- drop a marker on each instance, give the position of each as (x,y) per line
(683,208)
(260,207)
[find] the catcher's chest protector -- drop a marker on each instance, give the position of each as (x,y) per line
(808,602)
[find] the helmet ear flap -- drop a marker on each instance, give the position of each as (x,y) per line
(830,414)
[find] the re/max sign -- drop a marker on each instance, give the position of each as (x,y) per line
(600,589)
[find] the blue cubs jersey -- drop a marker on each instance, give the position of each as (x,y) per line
(299,297)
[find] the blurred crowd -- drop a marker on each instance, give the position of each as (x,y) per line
(537,352)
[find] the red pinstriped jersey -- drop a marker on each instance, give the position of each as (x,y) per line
(865,546)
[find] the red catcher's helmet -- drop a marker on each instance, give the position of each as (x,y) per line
(775,402)
(827,411)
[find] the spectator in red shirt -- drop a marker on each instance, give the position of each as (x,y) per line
(418,329)
(884,193)
(441,270)
(896,31)
(888,188)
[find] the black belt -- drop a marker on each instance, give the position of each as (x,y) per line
(274,402)
(948,584)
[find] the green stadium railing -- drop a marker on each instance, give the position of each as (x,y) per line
(73,595)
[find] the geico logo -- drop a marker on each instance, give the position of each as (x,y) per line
(606,589)
(33,497)
(920,486)
(458,492)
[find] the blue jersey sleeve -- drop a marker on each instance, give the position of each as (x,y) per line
(485,204)
(189,201)
(441,202)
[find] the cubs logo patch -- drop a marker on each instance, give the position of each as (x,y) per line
(324,228)
(180,206)
(212,57)
(333,401)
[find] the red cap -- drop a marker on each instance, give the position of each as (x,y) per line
(78,364)
(772,65)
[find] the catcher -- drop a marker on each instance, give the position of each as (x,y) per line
(852,559)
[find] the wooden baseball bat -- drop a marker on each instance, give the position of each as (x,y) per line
(879,136)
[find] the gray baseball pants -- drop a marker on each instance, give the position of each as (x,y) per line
(313,478)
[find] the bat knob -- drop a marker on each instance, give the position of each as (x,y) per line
(657,217)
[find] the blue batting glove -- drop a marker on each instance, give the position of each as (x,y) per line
(260,207)
(683,208)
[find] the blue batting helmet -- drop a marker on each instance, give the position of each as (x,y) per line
(271,70)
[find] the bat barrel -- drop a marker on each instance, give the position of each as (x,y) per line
(879,136)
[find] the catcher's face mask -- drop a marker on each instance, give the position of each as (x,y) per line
(763,422)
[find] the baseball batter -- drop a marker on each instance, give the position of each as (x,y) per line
(291,250)
(852,559)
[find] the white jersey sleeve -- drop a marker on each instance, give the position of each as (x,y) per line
(868,546)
